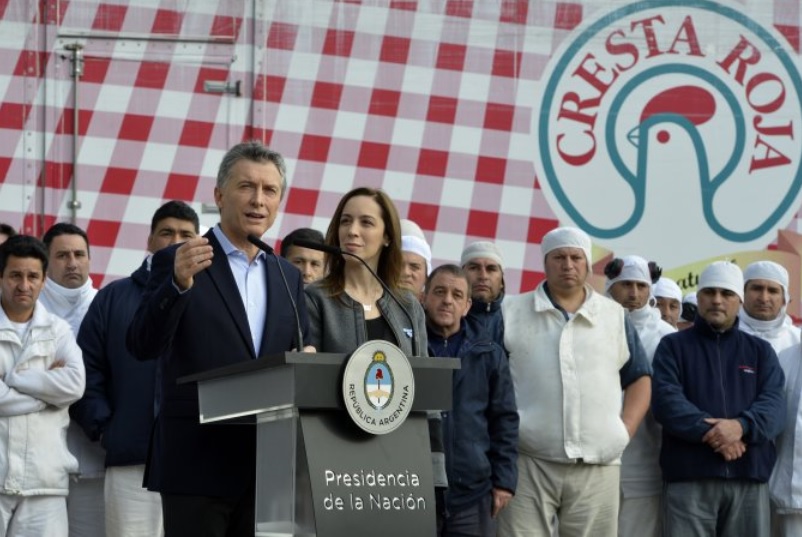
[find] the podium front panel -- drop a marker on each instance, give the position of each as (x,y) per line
(364,484)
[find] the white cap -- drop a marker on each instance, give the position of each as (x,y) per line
(482,249)
(768,270)
(408,227)
(667,288)
(723,275)
(633,269)
(413,240)
(566,237)
(691,300)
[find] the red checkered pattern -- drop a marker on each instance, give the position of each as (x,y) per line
(426,99)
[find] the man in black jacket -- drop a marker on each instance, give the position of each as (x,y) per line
(118,406)
(212,302)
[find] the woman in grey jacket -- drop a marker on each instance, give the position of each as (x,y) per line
(349,307)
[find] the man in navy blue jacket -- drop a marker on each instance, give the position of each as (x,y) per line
(481,430)
(718,393)
(215,301)
(484,268)
(117,408)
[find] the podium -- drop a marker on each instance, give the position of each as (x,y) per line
(318,473)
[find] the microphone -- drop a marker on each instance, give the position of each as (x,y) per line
(299,334)
(333,250)
(319,246)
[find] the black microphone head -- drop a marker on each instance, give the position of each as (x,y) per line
(259,243)
(320,247)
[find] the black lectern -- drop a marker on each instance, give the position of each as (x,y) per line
(318,473)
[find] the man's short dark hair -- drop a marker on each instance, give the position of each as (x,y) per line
(7,230)
(449,268)
(303,234)
(64,228)
(23,246)
(175,209)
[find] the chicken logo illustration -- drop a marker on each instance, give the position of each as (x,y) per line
(671,129)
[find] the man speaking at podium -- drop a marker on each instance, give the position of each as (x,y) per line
(214,301)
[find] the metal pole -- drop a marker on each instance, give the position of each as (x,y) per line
(77,71)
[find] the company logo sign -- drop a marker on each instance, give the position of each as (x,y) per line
(378,387)
(671,129)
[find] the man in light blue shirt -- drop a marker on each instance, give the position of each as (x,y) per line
(214,301)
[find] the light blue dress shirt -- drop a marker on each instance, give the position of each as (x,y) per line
(251,278)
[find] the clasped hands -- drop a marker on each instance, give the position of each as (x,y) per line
(725,438)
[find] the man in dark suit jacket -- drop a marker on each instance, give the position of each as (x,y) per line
(211,302)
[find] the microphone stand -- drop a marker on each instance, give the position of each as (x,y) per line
(299,335)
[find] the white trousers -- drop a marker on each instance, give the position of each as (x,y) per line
(85,507)
(33,516)
(131,510)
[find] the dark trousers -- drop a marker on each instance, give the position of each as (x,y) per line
(204,516)
(472,521)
